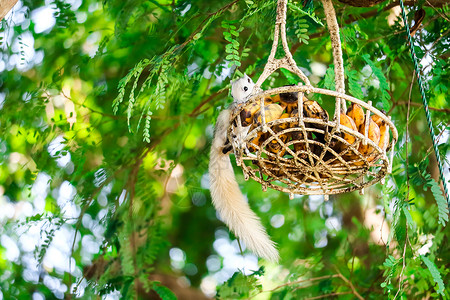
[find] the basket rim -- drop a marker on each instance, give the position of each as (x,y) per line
(343,178)
(307,89)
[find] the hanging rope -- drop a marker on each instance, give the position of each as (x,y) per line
(424,99)
(292,153)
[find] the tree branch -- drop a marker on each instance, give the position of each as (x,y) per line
(350,284)
(370,3)
(367,15)
(445,110)
(338,275)
(329,295)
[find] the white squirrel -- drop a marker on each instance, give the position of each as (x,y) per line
(227,198)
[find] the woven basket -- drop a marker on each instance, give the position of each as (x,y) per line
(316,167)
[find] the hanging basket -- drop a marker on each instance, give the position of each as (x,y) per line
(302,155)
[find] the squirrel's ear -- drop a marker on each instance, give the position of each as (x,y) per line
(249,80)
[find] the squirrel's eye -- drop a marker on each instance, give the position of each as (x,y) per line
(245,88)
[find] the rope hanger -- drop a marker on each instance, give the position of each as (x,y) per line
(309,171)
(424,100)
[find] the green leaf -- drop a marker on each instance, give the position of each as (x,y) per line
(440,200)
(289,76)
(353,85)
(435,274)
(240,286)
(329,78)
(408,216)
(164,292)
(235,33)
(384,87)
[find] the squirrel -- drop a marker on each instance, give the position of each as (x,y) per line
(226,196)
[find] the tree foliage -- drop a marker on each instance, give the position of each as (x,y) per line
(106,119)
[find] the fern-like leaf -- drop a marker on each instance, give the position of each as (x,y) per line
(354,86)
(408,216)
(384,86)
(164,292)
(440,200)
(435,274)
(302,30)
(148,118)
(310,14)
(391,265)
(240,285)
(329,78)
(232,49)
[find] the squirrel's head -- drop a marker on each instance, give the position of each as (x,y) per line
(242,88)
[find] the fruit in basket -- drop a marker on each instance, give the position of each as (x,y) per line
(356,112)
(384,132)
(373,134)
(312,109)
(349,123)
(289,99)
(272,112)
(249,111)
(274,146)
(384,135)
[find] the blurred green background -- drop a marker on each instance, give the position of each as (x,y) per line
(107,111)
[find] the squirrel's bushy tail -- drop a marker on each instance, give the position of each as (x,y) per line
(231,205)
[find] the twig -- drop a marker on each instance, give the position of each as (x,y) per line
(400,280)
(207,100)
(338,275)
(350,284)
(438,137)
(381,229)
(296,282)
(329,295)
(434,8)
(89,108)
(351,19)
(80,217)
(398,103)
(434,44)
(131,183)
(200,27)
(304,280)
(384,36)
(139,158)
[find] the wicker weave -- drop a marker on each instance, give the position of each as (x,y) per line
(318,168)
